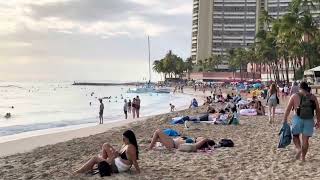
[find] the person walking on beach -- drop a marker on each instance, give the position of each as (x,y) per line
(138,102)
(101,109)
(134,105)
(172,107)
(272,101)
(294,89)
(129,106)
(125,109)
(304,104)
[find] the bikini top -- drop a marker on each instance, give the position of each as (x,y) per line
(123,155)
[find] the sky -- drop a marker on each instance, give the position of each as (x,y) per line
(90,40)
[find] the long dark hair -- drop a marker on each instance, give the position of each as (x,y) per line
(132,139)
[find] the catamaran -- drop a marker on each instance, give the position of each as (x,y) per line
(149,87)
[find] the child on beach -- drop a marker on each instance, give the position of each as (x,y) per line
(172,107)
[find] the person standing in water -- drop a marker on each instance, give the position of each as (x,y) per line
(138,102)
(101,111)
(129,106)
(125,109)
(134,105)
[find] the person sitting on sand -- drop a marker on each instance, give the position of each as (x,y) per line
(229,98)
(234,118)
(174,143)
(208,101)
(172,107)
(259,108)
(194,103)
(120,161)
(221,99)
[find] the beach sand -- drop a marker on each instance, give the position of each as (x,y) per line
(255,155)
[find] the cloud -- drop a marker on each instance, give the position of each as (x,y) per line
(95,17)
(109,32)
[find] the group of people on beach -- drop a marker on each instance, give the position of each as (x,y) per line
(302,102)
(132,107)
(112,161)
(128,107)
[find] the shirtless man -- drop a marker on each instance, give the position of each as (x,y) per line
(301,126)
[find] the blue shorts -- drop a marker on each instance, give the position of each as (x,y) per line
(302,126)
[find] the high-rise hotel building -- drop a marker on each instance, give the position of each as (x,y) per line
(220,25)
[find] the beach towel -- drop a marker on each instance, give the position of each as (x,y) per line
(285,136)
(171,132)
(242,102)
(179,120)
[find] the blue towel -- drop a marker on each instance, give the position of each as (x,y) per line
(285,136)
(179,120)
(171,132)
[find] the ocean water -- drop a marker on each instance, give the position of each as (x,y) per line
(43,105)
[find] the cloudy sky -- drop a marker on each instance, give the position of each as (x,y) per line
(89,39)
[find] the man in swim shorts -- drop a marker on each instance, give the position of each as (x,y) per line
(101,109)
(302,127)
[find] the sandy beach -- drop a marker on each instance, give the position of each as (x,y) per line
(255,155)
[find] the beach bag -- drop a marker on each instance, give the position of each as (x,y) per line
(226,143)
(104,169)
(306,107)
(285,136)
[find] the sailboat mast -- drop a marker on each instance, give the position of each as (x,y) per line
(149,59)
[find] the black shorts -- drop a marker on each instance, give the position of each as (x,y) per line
(100,113)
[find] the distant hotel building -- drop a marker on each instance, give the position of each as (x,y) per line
(221,25)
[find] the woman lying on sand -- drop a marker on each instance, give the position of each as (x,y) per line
(119,161)
(174,143)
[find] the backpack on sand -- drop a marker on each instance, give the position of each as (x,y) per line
(226,143)
(306,107)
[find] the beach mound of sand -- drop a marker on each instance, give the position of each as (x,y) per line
(255,155)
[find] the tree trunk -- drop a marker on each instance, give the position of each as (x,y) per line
(293,64)
(240,72)
(287,69)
